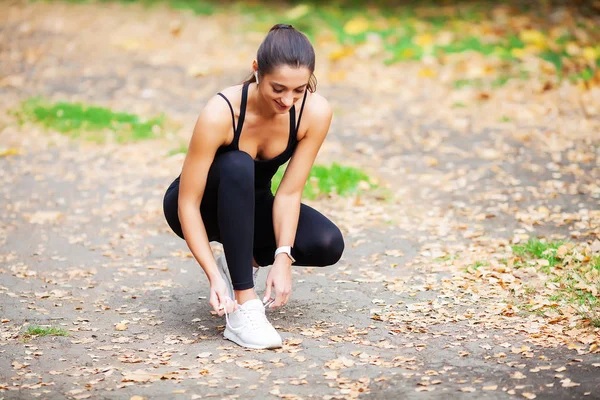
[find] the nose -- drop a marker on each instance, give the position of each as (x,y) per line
(287,100)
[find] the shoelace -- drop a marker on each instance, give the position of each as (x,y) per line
(248,314)
(225,308)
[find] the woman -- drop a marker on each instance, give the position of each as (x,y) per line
(224,191)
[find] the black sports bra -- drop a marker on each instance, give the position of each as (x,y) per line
(263,169)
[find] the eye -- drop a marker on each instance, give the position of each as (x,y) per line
(277,91)
(300,91)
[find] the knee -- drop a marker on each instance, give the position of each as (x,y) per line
(237,168)
(332,246)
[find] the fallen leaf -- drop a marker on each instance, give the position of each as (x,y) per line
(121,327)
(356,26)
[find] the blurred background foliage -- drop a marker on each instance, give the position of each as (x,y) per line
(553,39)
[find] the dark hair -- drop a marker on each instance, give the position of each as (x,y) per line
(285,45)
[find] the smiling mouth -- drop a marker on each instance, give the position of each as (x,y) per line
(280,105)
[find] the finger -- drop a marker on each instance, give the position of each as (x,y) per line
(214,301)
(222,304)
(230,305)
(286,298)
(268,291)
(278,299)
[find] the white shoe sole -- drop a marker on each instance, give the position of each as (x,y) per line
(235,338)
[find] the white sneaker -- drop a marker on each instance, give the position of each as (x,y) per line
(224,271)
(248,326)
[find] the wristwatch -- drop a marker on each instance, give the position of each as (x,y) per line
(287,250)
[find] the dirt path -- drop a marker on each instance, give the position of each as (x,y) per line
(84,245)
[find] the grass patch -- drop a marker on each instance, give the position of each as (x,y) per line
(447,257)
(92,123)
(182,149)
(527,309)
(476,266)
(197,6)
(40,331)
(335,179)
(573,273)
(536,249)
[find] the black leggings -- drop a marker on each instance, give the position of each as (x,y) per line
(240,217)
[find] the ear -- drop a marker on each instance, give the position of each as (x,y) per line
(255,65)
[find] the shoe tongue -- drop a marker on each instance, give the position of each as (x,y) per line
(253,304)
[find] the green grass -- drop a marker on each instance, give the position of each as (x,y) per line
(535,248)
(324,180)
(197,6)
(576,276)
(527,310)
(462,83)
(476,266)
(89,122)
(182,149)
(447,257)
(44,331)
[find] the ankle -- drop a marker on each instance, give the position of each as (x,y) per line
(242,296)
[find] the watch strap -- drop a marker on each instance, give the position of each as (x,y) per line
(287,250)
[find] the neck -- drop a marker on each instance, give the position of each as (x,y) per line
(262,109)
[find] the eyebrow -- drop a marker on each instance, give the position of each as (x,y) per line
(283,86)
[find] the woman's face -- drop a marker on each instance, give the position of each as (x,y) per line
(283,87)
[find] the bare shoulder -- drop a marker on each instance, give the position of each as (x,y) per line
(317,116)
(318,108)
(233,93)
(215,116)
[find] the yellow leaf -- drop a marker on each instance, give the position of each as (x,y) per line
(9,152)
(356,26)
(298,12)
(423,40)
(427,73)
(534,37)
(340,53)
(590,53)
(518,53)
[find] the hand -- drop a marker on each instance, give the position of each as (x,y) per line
(219,298)
(280,277)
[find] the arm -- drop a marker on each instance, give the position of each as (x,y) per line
(286,207)
(210,132)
